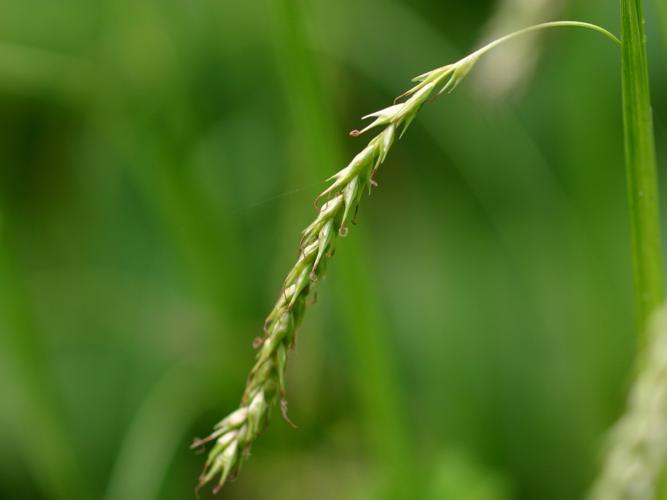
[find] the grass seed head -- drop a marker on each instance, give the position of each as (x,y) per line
(235,434)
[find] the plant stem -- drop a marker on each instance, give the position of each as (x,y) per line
(537,27)
(640,162)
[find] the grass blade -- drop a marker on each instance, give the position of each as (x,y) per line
(640,163)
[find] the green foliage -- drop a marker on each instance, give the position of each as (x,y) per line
(156,161)
(641,163)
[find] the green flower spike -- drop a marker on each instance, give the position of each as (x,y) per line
(235,434)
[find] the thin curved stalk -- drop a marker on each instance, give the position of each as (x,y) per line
(553,24)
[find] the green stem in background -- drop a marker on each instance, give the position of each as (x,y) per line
(38,423)
(378,392)
(154,436)
(640,162)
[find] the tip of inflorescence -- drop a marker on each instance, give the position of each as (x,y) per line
(196,443)
(284,413)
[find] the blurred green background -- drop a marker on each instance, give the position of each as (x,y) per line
(158,158)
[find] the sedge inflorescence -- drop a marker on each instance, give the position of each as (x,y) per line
(234,435)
